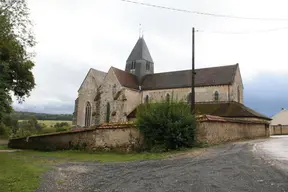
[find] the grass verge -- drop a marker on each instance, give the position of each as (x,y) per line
(21,171)
(3,147)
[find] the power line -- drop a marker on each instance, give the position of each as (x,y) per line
(243,33)
(204,13)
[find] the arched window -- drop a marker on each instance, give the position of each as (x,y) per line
(216,96)
(168,97)
(238,94)
(88,114)
(146,100)
(133,65)
(108,112)
(189,98)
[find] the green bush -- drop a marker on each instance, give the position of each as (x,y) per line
(4,130)
(166,126)
(61,129)
(62,126)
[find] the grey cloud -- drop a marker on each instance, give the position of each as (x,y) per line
(100,34)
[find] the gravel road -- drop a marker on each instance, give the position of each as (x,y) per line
(240,166)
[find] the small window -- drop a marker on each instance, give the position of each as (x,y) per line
(189,98)
(216,96)
(168,97)
(147,66)
(133,65)
(146,100)
(238,94)
(108,113)
(88,114)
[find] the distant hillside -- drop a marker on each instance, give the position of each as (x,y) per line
(20,115)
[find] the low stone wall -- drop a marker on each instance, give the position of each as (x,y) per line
(279,129)
(118,138)
(210,129)
(215,130)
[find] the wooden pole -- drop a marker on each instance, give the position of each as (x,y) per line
(193,73)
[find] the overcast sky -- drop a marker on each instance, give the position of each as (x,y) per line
(74,36)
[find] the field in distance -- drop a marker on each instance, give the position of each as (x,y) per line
(50,123)
(49,128)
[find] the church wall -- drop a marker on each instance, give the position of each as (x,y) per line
(112,92)
(133,100)
(234,87)
(86,94)
(202,94)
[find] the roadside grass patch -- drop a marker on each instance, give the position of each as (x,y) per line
(18,174)
(78,155)
(3,147)
(21,171)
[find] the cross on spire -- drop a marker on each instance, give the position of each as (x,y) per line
(140,31)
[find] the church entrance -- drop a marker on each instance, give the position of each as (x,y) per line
(88,114)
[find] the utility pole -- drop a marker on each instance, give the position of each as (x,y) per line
(193,73)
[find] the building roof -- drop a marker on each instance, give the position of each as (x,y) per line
(223,75)
(140,51)
(280,118)
(126,79)
(230,109)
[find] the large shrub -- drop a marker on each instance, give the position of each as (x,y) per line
(166,125)
(62,126)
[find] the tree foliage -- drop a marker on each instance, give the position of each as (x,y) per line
(16,64)
(166,125)
(19,115)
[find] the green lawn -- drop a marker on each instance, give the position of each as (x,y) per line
(20,171)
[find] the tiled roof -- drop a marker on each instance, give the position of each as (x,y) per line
(126,79)
(222,109)
(223,75)
(140,51)
(228,109)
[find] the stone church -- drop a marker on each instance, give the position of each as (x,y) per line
(113,96)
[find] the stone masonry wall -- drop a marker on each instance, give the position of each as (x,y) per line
(219,132)
(124,138)
(234,88)
(279,129)
(113,93)
(202,94)
(127,138)
(133,100)
(87,93)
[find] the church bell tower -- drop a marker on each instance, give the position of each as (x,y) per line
(140,62)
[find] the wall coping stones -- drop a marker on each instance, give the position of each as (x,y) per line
(212,118)
(92,128)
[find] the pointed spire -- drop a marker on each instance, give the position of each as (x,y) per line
(140,52)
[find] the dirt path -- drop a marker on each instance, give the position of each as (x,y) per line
(228,168)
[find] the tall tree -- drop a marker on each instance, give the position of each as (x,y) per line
(16,64)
